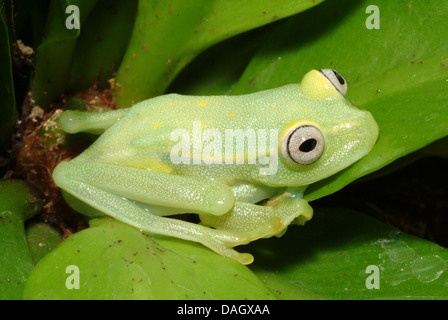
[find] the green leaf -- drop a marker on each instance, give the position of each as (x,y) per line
(8,104)
(102,43)
(217,70)
(54,55)
(42,239)
(332,253)
(123,263)
(15,196)
(16,205)
(15,260)
(168,35)
(398,72)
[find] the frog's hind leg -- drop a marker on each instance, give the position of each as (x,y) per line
(92,122)
(253,221)
(93,184)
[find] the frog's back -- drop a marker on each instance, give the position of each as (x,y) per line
(144,136)
(256,110)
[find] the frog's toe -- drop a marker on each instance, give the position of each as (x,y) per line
(224,247)
(276,225)
(243,258)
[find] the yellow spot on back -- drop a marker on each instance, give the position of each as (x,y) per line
(156,126)
(170,103)
(201,104)
(304,110)
(202,125)
(273,106)
(231,114)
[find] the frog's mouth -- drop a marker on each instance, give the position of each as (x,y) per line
(348,143)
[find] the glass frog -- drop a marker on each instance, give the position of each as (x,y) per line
(172,155)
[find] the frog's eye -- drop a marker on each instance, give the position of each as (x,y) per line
(304,145)
(336,80)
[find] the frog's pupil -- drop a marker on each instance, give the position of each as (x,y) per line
(339,77)
(308,145)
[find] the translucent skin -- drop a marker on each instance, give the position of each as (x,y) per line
(129,172)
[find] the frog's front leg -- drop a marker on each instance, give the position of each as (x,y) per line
(250,221)
(146,186)
(117,191)
(93,122)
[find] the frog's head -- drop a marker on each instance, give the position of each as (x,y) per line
(327,135)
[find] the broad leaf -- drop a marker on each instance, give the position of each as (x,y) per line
(54,54)
(16,205)
(123,263)
(168,35)
(8,104)
(344,254)
(102,43)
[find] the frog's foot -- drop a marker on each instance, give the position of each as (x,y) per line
(250,222)
(223,242)
(227,251)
